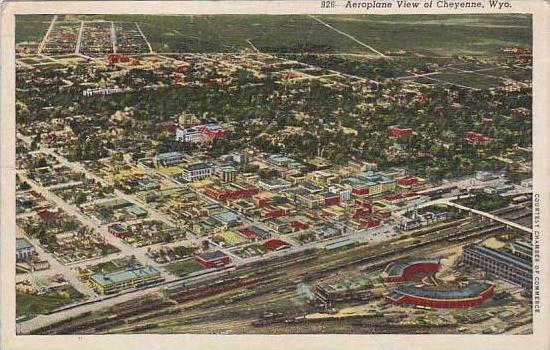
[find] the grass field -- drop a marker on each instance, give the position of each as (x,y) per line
(431,35)
(31,27)
(514,74)
(475,81)
(442,35)
(184,267)
(227,33)
(31,305)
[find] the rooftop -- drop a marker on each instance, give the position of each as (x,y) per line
(502,256)
(358,282)
(125,275)
(274,182)
(521,247)
(168,155)
(22,243)
(471,291)
(197,166)
(227,216)
(276,244)
(212,255)
(397,268)
(213,127)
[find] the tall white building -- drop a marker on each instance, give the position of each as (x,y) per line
(188,135)
(197,171)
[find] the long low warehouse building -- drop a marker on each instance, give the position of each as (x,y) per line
(120,280)
(506,265)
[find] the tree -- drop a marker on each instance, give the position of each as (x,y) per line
(80,198)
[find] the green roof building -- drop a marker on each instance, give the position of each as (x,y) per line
(120,280)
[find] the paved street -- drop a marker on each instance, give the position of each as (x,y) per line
(55,268)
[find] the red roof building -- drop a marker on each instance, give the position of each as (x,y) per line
(248,233)
(47,215)
(213,259)
(170,128)
(262,202)
(48,138)
(360,191)
(362,212)
(398,132)
(276,244)
(400,271)
(516,51)
(254,233)
(276,212)
(36,194)
(231,192)
(298,225)
(476,138)
(211,131)
(473,295)
(411,182)
(420,97)
(116,58)
(118,230)
(331,199)
(370,223)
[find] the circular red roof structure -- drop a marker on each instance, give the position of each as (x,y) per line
(470,296)
(399,271)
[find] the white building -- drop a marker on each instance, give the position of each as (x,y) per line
(484,176)
(23,249)
(274,184)
(107,91)
(197,171)
(345,193)
(169,158)
(189,135)
(527,183)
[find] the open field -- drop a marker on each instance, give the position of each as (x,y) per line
(429,35)
(442,35)
(30,305)
(475,81)
(31,27)
(184,267)
(230,33)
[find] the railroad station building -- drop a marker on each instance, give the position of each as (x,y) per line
(117,281)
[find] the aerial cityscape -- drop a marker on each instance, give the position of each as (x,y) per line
(256,174)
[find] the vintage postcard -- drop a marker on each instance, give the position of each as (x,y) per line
(259,174)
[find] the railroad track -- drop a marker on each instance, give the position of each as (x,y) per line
(301,268)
